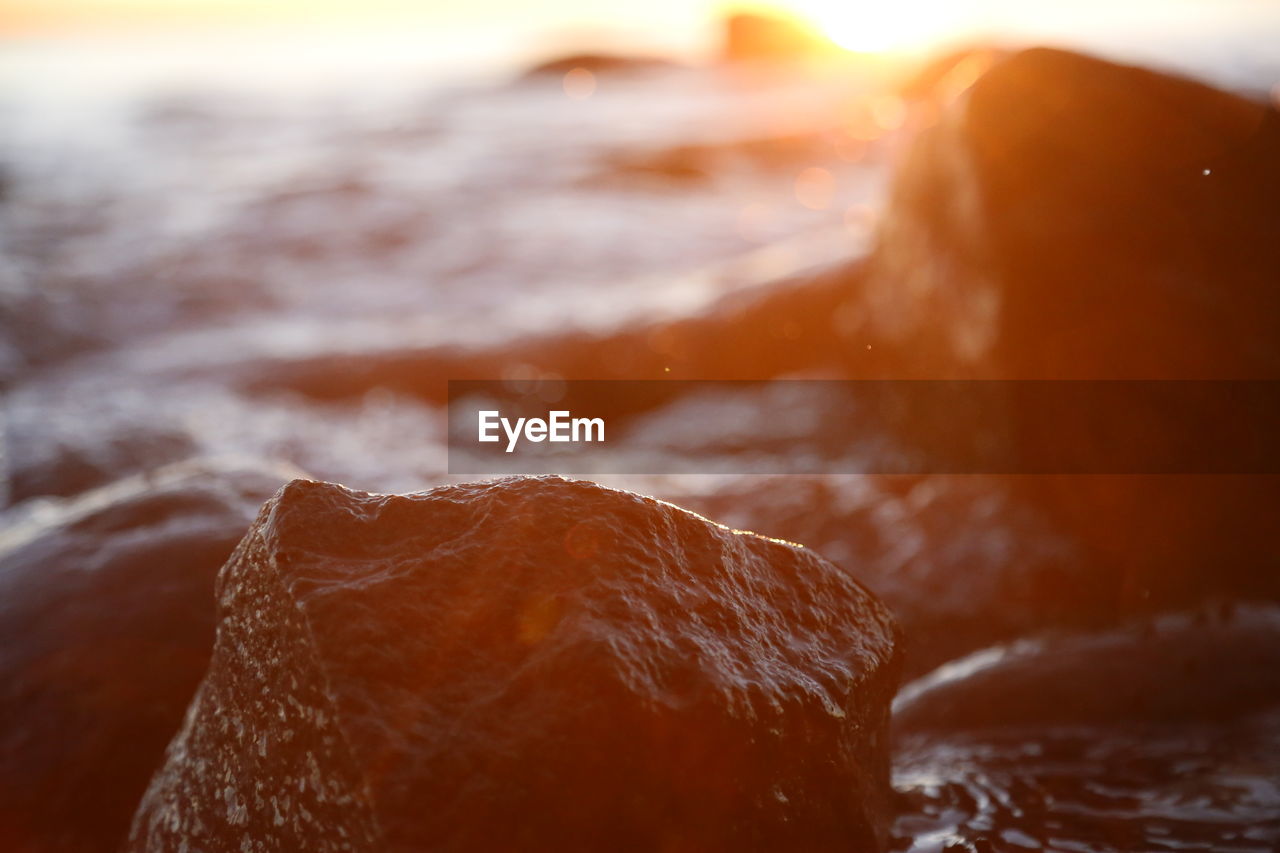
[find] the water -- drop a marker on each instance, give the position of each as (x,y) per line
(1166,737)
(1197,786)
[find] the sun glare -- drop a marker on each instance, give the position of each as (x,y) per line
(879,26)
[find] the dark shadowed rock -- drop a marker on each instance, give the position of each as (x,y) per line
(530,664)
(106,625)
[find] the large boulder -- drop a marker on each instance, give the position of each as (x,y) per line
(529,664)
(106,626)
(1070,218)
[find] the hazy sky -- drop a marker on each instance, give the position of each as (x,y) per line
(46,15)
(484,32)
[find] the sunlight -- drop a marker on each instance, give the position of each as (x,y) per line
(874,27)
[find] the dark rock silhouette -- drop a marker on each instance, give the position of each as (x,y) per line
(530,664)
(108,624)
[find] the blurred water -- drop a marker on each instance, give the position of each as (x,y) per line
(145,237)
(1190,786)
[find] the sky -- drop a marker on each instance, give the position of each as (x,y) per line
(848,17)
(39,36)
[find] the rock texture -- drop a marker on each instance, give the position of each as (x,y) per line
(530,664)
(106,625)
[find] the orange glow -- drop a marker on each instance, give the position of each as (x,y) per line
(877,27)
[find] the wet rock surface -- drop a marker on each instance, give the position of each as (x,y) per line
(1069,217)
(529,664)
(106,624)
(1163,736)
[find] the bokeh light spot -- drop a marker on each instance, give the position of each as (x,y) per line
(579,84)
(815,188)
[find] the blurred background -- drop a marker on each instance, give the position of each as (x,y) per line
(247,240)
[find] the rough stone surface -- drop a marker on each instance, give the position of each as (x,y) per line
(529,664)
(106,625)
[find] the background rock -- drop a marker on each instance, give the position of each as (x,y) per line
(106,624)
(1070,218)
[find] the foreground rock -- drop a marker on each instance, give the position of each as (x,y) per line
(106,625)
(531,664)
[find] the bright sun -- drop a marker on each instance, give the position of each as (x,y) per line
(878,25)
